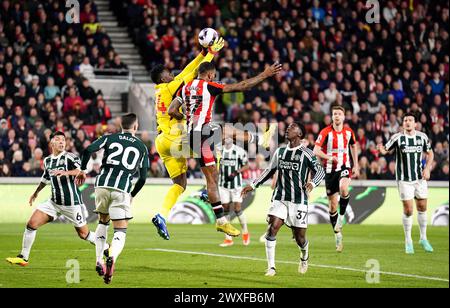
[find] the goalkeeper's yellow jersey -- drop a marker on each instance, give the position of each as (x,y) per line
(165,92)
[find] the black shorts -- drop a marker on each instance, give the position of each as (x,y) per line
(202,144)
(332,180)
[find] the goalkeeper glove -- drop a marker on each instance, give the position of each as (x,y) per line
(217,45)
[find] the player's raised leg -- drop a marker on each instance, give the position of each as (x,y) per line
(175,164)
(333,211)
(84,233)
(212,176)
(175,191)
(228,241)
(36,220)
(344,198)
(422,220)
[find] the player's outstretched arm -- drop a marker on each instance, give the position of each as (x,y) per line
(174,108)
(206,55)
(265,175)
(382,149)
(251,82)
(190,72)
(96,146)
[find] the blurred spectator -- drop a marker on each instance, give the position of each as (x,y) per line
(42,62)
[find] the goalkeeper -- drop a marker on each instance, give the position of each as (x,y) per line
(169,141)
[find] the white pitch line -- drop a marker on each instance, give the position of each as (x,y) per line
(291,262)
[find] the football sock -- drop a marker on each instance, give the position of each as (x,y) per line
(90,238)
(218,210)
(101,235)
(407,226)
(226,213)
(304,250)
(243,220)
(333,219)
(171,198)
(118,242)
(343,202)
(271,242)
(28,239)
(422,219)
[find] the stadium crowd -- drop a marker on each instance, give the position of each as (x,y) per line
(45,67)
(330,52)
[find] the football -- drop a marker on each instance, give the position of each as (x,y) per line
(207,36)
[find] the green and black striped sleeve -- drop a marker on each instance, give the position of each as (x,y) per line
(73,162)
(45,179)
(268,172)
(143,172)
(315,166)
(97,145)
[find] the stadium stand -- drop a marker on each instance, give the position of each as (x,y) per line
(330,53)
(46,65)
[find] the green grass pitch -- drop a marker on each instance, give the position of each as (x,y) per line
(192,258)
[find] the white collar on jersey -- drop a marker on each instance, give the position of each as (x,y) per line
(410,136)
(293,149)
(60,154)
(230,149)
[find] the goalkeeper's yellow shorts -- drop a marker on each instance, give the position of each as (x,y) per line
(170,150)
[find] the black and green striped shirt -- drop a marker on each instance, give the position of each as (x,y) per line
(124,156)
(408,153)
(294,166)
(64,190)
(231,161)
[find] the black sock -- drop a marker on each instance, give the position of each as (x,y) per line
(218,209)
(343,202)
(333,219)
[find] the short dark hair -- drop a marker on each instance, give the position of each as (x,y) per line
(206,67)
(156,72)
(410,114)
(337,107)
(57,133)
(128,120)
(302,128)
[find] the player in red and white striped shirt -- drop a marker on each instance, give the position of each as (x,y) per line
(332,146)
(198,97)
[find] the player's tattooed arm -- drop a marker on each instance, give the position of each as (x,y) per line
(174,108)
(251,82)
